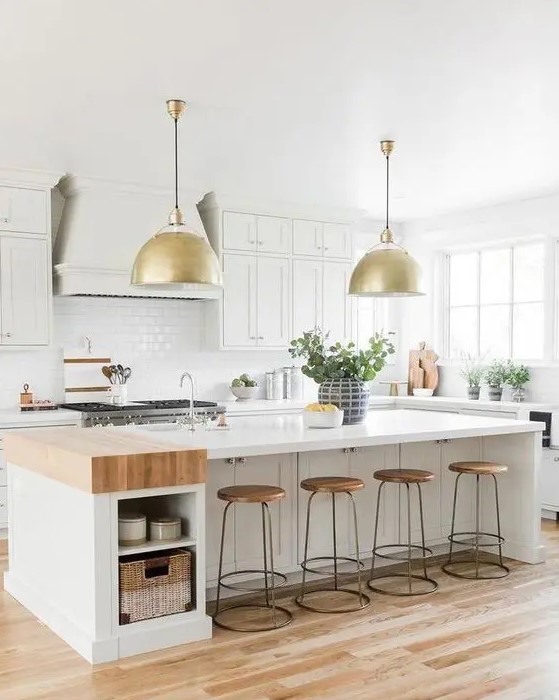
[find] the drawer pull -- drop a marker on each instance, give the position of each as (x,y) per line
(556,459)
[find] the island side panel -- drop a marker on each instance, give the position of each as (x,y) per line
(56,567)
(519,494)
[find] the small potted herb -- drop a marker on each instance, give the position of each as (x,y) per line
(472,373)
(495,376)
(517,377)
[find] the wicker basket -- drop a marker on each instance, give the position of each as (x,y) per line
(154,585)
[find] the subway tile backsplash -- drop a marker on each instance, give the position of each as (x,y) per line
(158,338)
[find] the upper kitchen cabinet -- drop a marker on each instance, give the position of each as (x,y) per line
(24,291)
(322,240)
(23,210)
(255,301)
(25,257)
(252,233)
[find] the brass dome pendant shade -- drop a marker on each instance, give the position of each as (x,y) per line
(176,255)
(386,270)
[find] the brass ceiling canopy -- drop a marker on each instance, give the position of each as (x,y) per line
(176,255)
(386,270)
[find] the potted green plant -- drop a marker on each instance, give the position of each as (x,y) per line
(517,377)
(495,376)
(472,373)
(341,370)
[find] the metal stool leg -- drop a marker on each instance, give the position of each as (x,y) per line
(220,568)
(357,550)
(269,589)
(364,600)
(425,552)
(474,541)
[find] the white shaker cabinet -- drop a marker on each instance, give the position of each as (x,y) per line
(549,480)
(255,301)
(320,297)
(317,239)
(336,241)
(307,295)
(24,291)
(239,300)
(251,233)
(23,210)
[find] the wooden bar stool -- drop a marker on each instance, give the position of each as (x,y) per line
(407,477)
(279,616)
(477,539)
(332,485)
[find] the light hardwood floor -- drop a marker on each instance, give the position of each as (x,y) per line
(497,639)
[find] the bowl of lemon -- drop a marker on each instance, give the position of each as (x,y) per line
(322,415)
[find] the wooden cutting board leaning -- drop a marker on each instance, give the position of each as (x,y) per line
(423,372)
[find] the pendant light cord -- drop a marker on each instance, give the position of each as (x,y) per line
(176,165)
(387,187)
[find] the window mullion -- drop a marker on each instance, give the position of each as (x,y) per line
(511,297)
(479,303)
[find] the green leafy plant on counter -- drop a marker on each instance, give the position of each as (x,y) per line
(244,380)
(496,374)
(472,371)
(517,375)
(341,361)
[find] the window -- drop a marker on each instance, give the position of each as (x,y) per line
(495,303)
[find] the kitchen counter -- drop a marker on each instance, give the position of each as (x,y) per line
(70,484)
(260,435)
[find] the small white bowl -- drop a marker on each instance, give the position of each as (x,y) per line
(320,419)
(244,393)
(423,392)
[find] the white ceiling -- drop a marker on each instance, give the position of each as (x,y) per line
(288,98)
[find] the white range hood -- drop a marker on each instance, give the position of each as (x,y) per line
(102,227)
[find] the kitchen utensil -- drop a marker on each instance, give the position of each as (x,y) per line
(126,374)
(26,396)
(131,529)
(120,371)
(164,529)
(107,372)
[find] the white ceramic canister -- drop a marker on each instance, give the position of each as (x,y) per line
(131,529)
(164,529)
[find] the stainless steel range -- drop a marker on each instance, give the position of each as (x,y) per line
(96,414)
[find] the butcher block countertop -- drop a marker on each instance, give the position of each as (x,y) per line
(104,461)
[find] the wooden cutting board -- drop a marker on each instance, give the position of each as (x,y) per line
(423,371)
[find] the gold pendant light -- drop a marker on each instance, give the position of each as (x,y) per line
(176,255)
(386,270)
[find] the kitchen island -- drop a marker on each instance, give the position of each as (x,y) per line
(65,488)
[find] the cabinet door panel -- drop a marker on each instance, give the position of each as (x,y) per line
(274,234)
(422,455)
(336,241)
(24,290)
(323,463)
(362,465)
(274,470)
(549,479)
(307,237)
(22,210)
(273,302)
(3,505)
(219,475)
(336,304)
(239,300)
(307,295)
(464,450)
(239,231)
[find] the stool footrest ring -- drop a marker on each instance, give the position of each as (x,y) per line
(253,589)
(496,540)
(501,570)
(364,600)
(416,577)
(402,555)
(287,617)
(322,572)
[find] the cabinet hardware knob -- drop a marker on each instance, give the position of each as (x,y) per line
(346,450)
(325,247)
(241,460)
(231,461)
(556,459)
(260,242)
(252,337)
(8,335)
(260,337)
(4,220)
(354,449)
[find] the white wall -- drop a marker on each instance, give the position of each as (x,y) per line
(425,238)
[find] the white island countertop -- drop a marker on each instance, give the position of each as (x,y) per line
(264,435)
